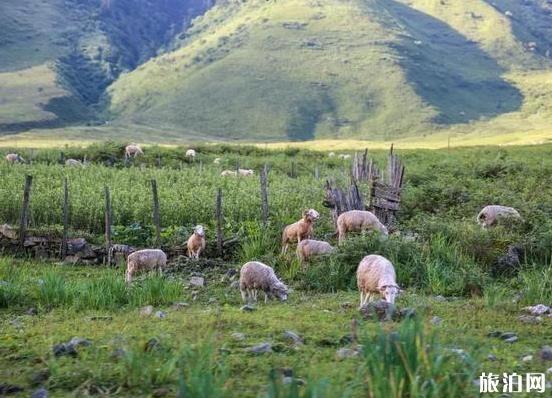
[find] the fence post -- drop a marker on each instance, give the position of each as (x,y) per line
(65,219)
(264,195)
(108,224)
(24,218)
(156,217)
(316,173)
(293,171)
(219,221)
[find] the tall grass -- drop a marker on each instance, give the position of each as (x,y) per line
(201,374)
(536,285)
(411,363)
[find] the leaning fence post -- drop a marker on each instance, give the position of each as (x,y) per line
(108,224)
(156,218)
(24,218)
(65,219)
(264,195)
(219,221)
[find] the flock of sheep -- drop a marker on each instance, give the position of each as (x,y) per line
(375,273)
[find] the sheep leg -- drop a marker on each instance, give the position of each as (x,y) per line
(244,295)
(266,297)
(361,298)
(367,298)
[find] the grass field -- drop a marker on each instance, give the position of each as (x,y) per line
(452,271)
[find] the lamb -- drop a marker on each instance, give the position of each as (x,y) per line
(310,247)
(494,214)
(145,260)
(14,158)
(245,172)
(376,274)
(255,276)
(331,154)
(190,153)
(217,160)
(229,173)
(74,163)
(358,221)
(302,229)
(196,242)
(133,150)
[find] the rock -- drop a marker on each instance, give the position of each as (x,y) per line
(71,260)
(152,344)
(507,335)
(344,353)
(380,310)
(407,313)
(530,319)
(539,309)
(238,336)
(160,392)
(440,299)
(436,320)
(545,353)
(492,358)
(39,377)
(40,393)
(179,306)
(118,353)
(6,389)
(262,348)
(527,358)
(197,281)
(294,337)
(212,300)
(509,263)
(549,371)
(512,339)
(160,314)
(64,349)
(147,310)
(459,352)
(78,341)
(248,308)
(494,333)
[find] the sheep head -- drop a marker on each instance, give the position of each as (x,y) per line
(279,290)
(389,292)
(199,230)
(311,215)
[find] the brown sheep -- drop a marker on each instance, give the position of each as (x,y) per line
(376,274)
(145,260)
(255,276)
(358,221)
(196,242)
(494,214)
(133,150)
(14,158)
(302,229)
(309,247)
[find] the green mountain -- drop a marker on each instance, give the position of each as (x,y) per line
(278,69)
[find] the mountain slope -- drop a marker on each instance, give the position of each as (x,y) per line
(302,69)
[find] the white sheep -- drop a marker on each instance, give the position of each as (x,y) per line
(217,160)
(228,173)
(344,156)
(358,221)
(376,274)
(145,260)
(14,158)
(302,229)
(492,215)
(255,276)
(190,153)
(245,172)
(133,150)
(331,154)
(196,242)
(74,163)
(310,247)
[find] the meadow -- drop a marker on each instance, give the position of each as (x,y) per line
(452,271)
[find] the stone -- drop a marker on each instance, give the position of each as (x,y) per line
(160,314)
(79,341)
(248,308)
(549,371)
(262,348)
(212,300)
(440,299)
(380,310)
(6,389)
(545,353)
(512,339)
(539,309)
(407,313)
(152,344)
(530,319)
(436,320)
(39,377)
(118,353)
(494,333)
(160,392)
(147,310)
(344,353)
(492,357)
(507,335)
(527,358)
(179,306)
(238,336)
(197,281)
(40,393)
(64,349)
(293,337)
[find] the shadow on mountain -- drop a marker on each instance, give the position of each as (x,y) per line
(449,71)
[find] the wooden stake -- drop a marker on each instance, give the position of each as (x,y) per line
(107,215)
(24,218)
(65,219)
(218,213)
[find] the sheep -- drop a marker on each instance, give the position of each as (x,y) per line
(331,154)
(229,173)
(310,247)
(196,242)
(145,260)
(217,160)
(299,230)
(358,221)
(14,158)
(133,150)
(190,153)
(125,250)
(376,274)
(245,172)
(74,163)
(344,156)
(492,215)
(255,276)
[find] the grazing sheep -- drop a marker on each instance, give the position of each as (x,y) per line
(145,260)
(310,247)
(190,153)
(376,274)
(14,158)
(299,230)
(245,172)
(133,150)
(196,242)
(229,173)
(494,214)
(74,163)
(358,221)
(217,160)
(331,154)
(255,276)
(344,156)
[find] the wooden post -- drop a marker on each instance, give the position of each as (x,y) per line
(62,157)
(264,195)
(108,225)
(65,219)
(156,217)
(316,173)
(24,218)
(218,213)
(293,171)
